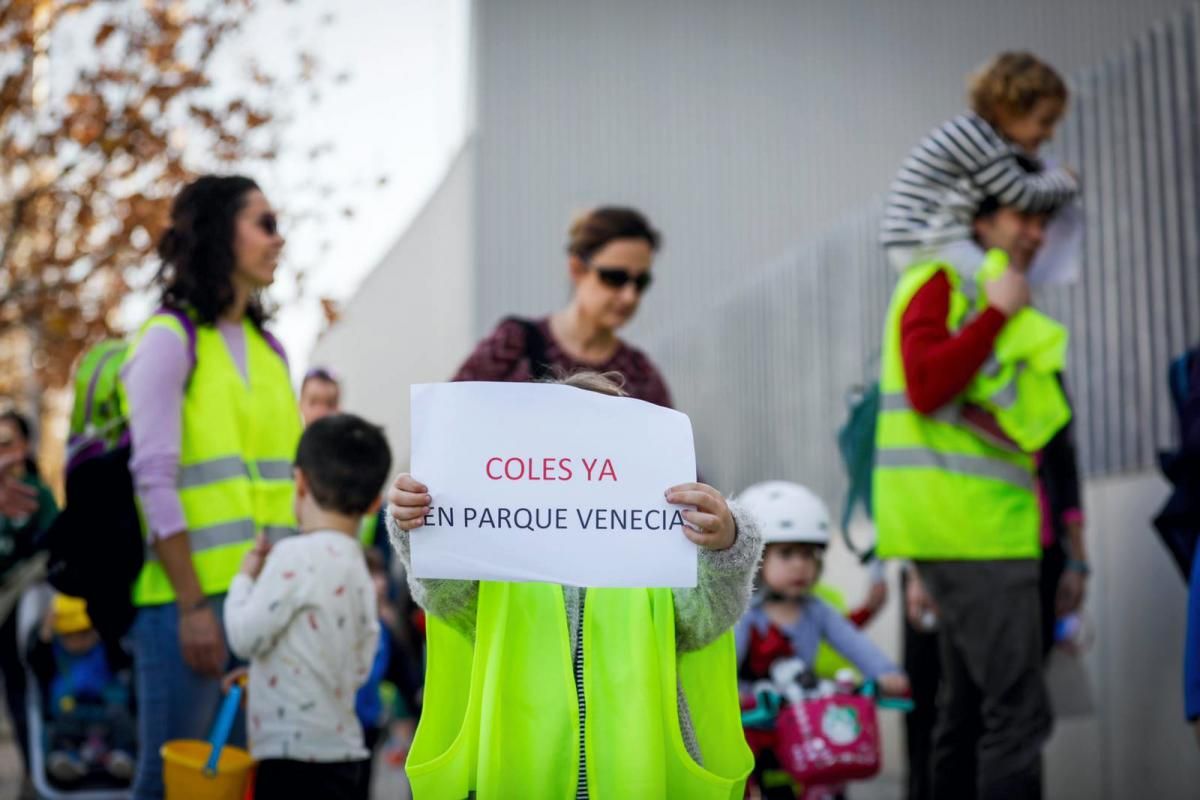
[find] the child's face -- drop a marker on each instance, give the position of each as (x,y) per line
(1036,128)
(792,569)
(80,641)
(318,398)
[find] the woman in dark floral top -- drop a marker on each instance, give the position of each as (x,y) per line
(609,255)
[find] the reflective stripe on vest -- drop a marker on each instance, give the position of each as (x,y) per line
(206,472)
(958,464)
(941,489)
(221,469)
(238,444)
(1016,472)
(202,539)
(501,718)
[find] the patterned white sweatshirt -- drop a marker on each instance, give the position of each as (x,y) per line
(309,628)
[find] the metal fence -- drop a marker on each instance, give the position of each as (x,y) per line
(765,372)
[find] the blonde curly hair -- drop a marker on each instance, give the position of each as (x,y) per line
(1011,84)
(609,383)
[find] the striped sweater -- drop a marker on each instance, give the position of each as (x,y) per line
(946,177)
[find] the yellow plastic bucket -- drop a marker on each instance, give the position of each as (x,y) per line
(183,771)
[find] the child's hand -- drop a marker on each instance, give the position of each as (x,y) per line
(408,502)
(234,676)
(238,675)
(17,498)
(711,525)
(252,564)
(894,684)
(918,602)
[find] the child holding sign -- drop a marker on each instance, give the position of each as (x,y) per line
(545,690)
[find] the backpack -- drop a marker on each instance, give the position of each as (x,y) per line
(1178,522)
(856,444)
(96,546)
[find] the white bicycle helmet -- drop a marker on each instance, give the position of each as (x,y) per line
(787,512)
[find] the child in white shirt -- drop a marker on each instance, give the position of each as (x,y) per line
(303,612)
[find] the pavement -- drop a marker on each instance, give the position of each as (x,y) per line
(388,783)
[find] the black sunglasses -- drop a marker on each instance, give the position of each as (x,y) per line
(616,277)
(269,224)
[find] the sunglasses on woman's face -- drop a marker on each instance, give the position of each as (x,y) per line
(616,278)
(269,224)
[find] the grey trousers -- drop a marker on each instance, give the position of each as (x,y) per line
(993,713)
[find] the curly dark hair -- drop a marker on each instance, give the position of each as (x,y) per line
(197,249)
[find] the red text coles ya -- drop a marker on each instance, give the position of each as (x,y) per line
(528,468)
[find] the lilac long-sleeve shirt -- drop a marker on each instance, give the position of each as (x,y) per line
(155,379)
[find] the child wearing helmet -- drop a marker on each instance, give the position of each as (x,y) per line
(787,623)
(785,618)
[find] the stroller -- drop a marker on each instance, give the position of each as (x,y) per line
(31,609)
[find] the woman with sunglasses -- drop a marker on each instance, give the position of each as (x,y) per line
(214,426)
(610,251)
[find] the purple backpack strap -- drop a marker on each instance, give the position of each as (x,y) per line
(275,344)
(189,327)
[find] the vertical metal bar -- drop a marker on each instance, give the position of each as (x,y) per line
(1105,269)
(1070,145)
(1090,161)
(1143,301)
(1157,267)
(1169,210)
(1187,28)
(1127,278)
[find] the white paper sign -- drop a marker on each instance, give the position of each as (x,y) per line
(541,482)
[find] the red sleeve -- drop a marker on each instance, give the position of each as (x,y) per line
(497,357)
(938,364)
(859,617)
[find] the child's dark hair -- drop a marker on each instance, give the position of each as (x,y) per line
(346,461)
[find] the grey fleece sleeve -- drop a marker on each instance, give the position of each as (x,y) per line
(453,601)
(723,588)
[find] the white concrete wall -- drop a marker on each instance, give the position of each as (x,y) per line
(743,129)
(1135,744)
(410,322)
